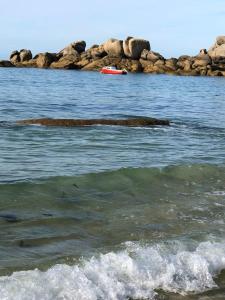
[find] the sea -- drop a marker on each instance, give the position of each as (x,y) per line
(111,212)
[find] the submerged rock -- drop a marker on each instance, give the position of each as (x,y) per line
(135,122)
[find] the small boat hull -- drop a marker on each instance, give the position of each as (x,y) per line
(113,71)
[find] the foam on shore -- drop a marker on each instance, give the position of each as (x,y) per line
(136,272)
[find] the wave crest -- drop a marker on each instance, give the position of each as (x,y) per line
(136,272)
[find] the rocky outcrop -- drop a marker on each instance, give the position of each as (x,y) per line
(137,122)
(20,56)
(6,64)
(201,63)
(185,63)
(153,62)
(14,57)
(217,51)
(66,62)
(202,59)
(27,64)
(97,64)
(212,72)
(74,48)
(150,67)
(44,60)
(133,47)
(171,64)
(151,55)
(25,55)
(120,63)
(97,52)
(114,48)
(133,54)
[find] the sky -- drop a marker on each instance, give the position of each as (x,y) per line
(173,27)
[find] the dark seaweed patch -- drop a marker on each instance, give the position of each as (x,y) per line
(11,218)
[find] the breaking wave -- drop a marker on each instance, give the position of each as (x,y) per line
(136,272)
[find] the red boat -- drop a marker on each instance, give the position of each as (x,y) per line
(113,71)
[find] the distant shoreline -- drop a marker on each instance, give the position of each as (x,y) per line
(133,54)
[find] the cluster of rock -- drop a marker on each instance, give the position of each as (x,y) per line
(133,54)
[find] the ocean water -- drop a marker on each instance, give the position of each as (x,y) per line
(108,212)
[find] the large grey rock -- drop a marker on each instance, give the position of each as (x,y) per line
(86,54)
(151,55)
(27,64)
(20,56)
(83,62)
(98,52)
(171,64)
(114,48)
(159,62)
(25,55)
(146,65)
(133,47)
(14,57)
(158,67)
(74,48)
(144,54)
(212,72)
(44,60)
(79,46)
(220,40)
(95,52)
(126,48)
(218,49)
(202,59)
(203,51)
(185,63)
(69,51)
(66,62)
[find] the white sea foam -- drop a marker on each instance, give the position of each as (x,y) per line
(134,272)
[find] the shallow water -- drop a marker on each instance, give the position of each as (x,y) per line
(108,212)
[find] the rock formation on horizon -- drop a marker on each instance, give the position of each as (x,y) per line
(134,54)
